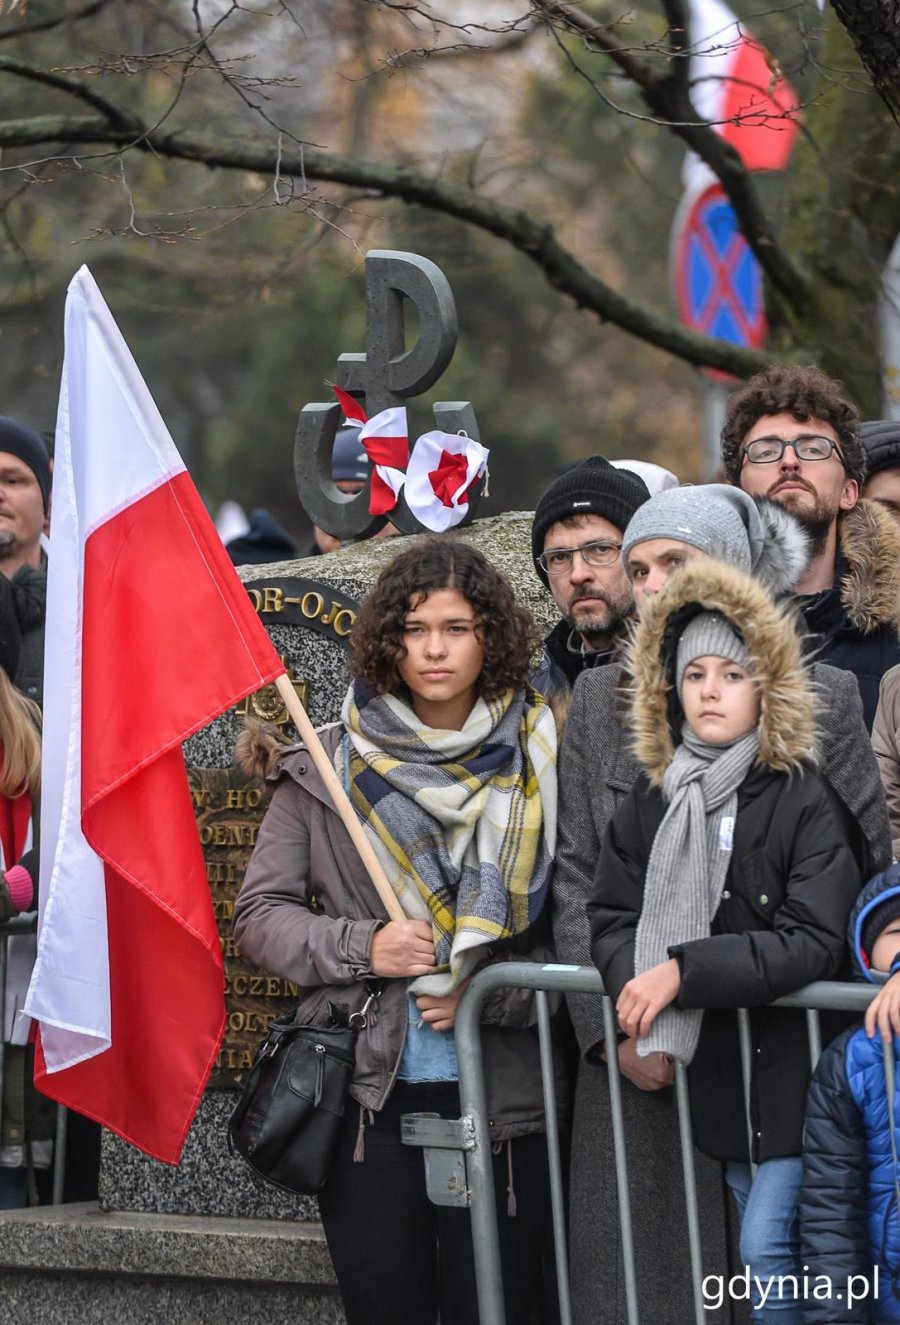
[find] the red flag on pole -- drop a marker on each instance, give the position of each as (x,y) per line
(150,635)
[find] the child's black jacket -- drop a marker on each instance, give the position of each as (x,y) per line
(791,882)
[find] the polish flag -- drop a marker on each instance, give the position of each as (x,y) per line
(150,635)
(738,89)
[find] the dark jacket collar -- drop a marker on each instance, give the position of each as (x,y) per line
(564,649)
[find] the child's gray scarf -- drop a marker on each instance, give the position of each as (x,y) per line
(687,868)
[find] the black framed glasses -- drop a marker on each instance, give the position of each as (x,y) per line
(766,450)
(559,560)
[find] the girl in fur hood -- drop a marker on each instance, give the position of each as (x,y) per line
(724,882)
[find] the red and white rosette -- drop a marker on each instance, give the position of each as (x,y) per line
(442,469)
(385,438)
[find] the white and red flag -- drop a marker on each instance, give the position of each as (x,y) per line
(150,635)
(385,440)
(737,86)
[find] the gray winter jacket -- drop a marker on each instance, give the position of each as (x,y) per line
(597,770)
(307,911)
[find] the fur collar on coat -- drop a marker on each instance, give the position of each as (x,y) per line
(787,724)
(870,545)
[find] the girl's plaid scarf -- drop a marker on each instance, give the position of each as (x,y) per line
(464,822)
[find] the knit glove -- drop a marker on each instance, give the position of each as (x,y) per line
(16,893)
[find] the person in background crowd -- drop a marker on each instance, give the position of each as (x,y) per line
(725,881)
(849,1216)
(264,542)
(24,496)
(349,473)
(655,477)
(597,769)
(26,1117)
(886,744)
(791,435)
(881,442)
(449,758)
(24,519)
(576,536)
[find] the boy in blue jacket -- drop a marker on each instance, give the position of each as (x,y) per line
(850,1189)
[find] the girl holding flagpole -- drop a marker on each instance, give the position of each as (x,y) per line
(449,760)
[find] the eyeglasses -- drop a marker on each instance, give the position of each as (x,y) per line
(766,450)
(559,560)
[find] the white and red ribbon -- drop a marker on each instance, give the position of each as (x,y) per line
(438,475)
(385,438)
(442,469)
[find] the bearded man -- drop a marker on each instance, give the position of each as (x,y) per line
(792,436)
(576,540)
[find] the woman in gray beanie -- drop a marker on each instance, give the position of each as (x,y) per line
(715,520)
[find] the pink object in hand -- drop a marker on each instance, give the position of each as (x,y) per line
(21,888)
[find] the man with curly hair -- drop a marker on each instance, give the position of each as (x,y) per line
(791,436)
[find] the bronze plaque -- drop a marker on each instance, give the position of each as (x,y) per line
(229,807)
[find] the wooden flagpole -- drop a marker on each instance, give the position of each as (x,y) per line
(341,800)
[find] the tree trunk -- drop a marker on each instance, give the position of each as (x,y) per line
(842,215)
(874,26)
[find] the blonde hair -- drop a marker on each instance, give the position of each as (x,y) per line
(20,738)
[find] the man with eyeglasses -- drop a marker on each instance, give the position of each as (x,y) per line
(791,436)
(576,539)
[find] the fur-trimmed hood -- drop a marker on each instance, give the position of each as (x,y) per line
(786,548)
(870,545)
(787,724)
(261,747)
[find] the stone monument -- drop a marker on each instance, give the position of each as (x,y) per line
(206,1241)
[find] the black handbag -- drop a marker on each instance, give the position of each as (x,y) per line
(286,1122)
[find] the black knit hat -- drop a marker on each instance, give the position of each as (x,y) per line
(29,447)
(881,442)
(877,920)
(595,487)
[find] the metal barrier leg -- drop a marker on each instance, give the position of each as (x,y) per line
(618,1127)
(690,1189)
(556,1188)
(746,1069)
(814,1032)
(59,1153)
(473,1101)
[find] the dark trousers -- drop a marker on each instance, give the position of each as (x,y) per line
(399,1258)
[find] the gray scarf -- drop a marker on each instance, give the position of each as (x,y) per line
(687,867)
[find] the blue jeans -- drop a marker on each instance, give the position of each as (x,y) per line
(13,1188)
(770,1237)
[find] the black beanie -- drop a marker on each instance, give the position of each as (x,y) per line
(878,919)
(29,447)
(595,487)
(881,442)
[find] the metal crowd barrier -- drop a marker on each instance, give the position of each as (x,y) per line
(458,1151)
(26,924)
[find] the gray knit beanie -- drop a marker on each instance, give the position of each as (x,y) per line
(709,635)
(717,519)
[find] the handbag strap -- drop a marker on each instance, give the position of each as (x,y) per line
(359,1019)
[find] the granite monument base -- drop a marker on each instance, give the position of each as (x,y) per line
(79,1265)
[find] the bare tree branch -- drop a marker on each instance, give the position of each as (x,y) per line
(537,241)
(669,100)
(48,24)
